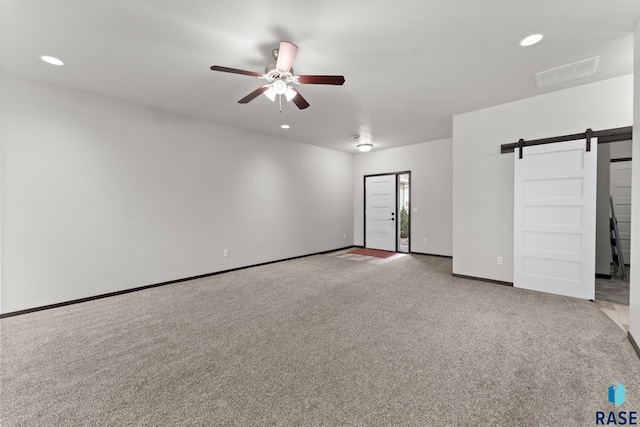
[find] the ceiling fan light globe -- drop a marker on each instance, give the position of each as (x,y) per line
(290,93)
(271,94)
(280,87)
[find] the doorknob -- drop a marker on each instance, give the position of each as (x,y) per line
(392,219)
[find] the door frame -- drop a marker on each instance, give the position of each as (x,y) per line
(364,205)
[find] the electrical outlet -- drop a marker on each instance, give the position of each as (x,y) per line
(425,240)
(226,252)
(344,236)
(500,260)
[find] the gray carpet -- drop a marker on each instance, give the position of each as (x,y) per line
(317,341)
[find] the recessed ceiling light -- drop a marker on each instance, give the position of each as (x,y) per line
(285,126)
(531,40)
(51,60)
(365,147)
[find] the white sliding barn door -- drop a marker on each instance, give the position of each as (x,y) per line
(555,218)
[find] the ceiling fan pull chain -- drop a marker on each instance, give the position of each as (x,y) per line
(280,102)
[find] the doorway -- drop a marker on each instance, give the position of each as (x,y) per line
(614,223)
(620,184)
(387,207)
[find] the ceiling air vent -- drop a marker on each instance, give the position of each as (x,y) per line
(566,73)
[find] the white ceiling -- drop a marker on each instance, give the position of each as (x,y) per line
(409,65)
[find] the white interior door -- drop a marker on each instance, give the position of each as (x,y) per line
(621,194)
(380,212)
(555,219)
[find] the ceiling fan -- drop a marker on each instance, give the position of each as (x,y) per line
(280,78)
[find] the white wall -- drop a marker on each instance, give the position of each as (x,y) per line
(101,195)
(430,164)
(621,149)
(634,297)
(483,178)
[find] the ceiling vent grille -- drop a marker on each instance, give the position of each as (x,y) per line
(566,73)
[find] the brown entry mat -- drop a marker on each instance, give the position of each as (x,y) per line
(372,252)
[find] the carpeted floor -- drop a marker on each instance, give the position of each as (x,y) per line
(320,340)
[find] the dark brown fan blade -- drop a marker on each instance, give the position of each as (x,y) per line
(321,80)
(300,101)
(235,71)
(253,94)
